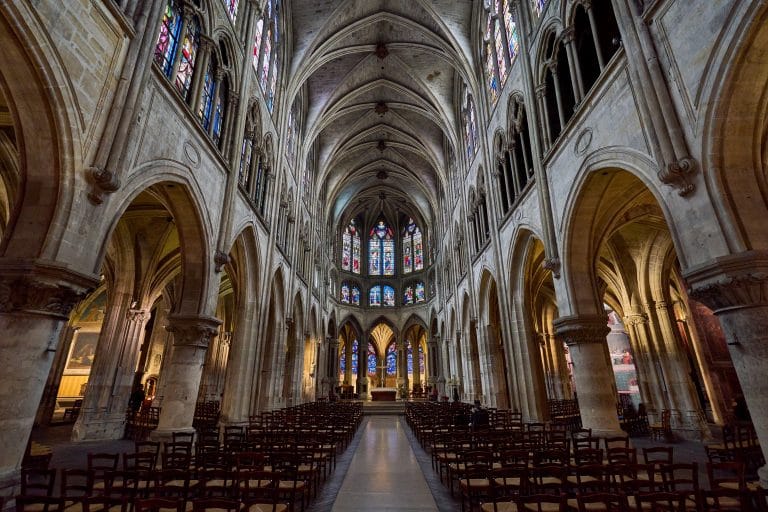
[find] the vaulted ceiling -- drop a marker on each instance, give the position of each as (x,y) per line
(381,81)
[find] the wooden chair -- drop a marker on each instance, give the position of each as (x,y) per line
(661,501)
(39,504)
(37,482)
(159,505)
(105,504)
(662,430)
(215,505)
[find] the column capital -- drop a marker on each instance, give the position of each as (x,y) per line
(138,315)
(569,35)
(541,90)
(730,282)
(192,331)
(580,330)
(42,287)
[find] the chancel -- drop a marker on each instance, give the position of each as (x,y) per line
(261,235)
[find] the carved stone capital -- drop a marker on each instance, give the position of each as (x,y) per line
(553,265)
(569,35)
(192,331)
(138,315)
(678,175)
(541,90)
(731,282)
(42,288)
(580,330)
(103,182)
(635,319)
(220,259)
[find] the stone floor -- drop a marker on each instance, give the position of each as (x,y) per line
(383,469)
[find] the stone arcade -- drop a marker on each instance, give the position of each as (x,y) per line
(260,203)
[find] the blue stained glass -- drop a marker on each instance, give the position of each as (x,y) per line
(391,360)
(355,296)
(389,296)
(354,357)
(168,39)
(371,361)
(420,295)
(409,356)
(374,297)
(343,362)
(421,359)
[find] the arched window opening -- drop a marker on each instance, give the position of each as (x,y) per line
(608,34)
(372,361)
(391,360)
(213,100)
(413,248)
(177,46)
(381,250)
(355,350)
(350,248)
(265,52)
(588,61)
(345,293)
(469,125)
(257,41)
(355,298)
(559,96)
(421,295)
(374,296)
(389,296)
(408,295)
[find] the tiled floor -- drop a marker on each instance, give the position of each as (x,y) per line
(384,474)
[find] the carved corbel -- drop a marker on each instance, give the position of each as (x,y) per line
(678,174)
(220,259)
(103,182)
(553,265)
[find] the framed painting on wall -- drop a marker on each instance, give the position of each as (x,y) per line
(81,352)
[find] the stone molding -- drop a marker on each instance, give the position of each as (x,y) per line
(192,331)
(730,282)
(581,330)
(43,288)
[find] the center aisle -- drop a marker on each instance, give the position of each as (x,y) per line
(384,473)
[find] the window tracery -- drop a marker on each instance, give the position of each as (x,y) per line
(413,248)
(381,250)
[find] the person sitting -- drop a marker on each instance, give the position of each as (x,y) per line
(479,417)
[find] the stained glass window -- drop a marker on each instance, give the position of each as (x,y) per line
(413,250)
(470,126)
(420,294)
(511,28)
(490,72)
(273,87)
(537,6)
(188,56)
(350,249)
(374,296)
(206,100)
(345,293)
(421,359)
(355,349)
(245,161)
(409,358)
(343,361)
(389,296)
(391,360)
(168,39)
(231,7)
(266,60)
(355,299)
(501,60)
(372,361)
(408,295)
(381,250)
(257,43)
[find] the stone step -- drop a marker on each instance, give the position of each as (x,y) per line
(384,408)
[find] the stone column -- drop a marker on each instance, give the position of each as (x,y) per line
(35,301)
(110,383)
(433,362)
(595,383)
(191,336)
(569,35)
(736,289)
(48,403)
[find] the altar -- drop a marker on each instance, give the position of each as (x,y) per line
(383,394)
